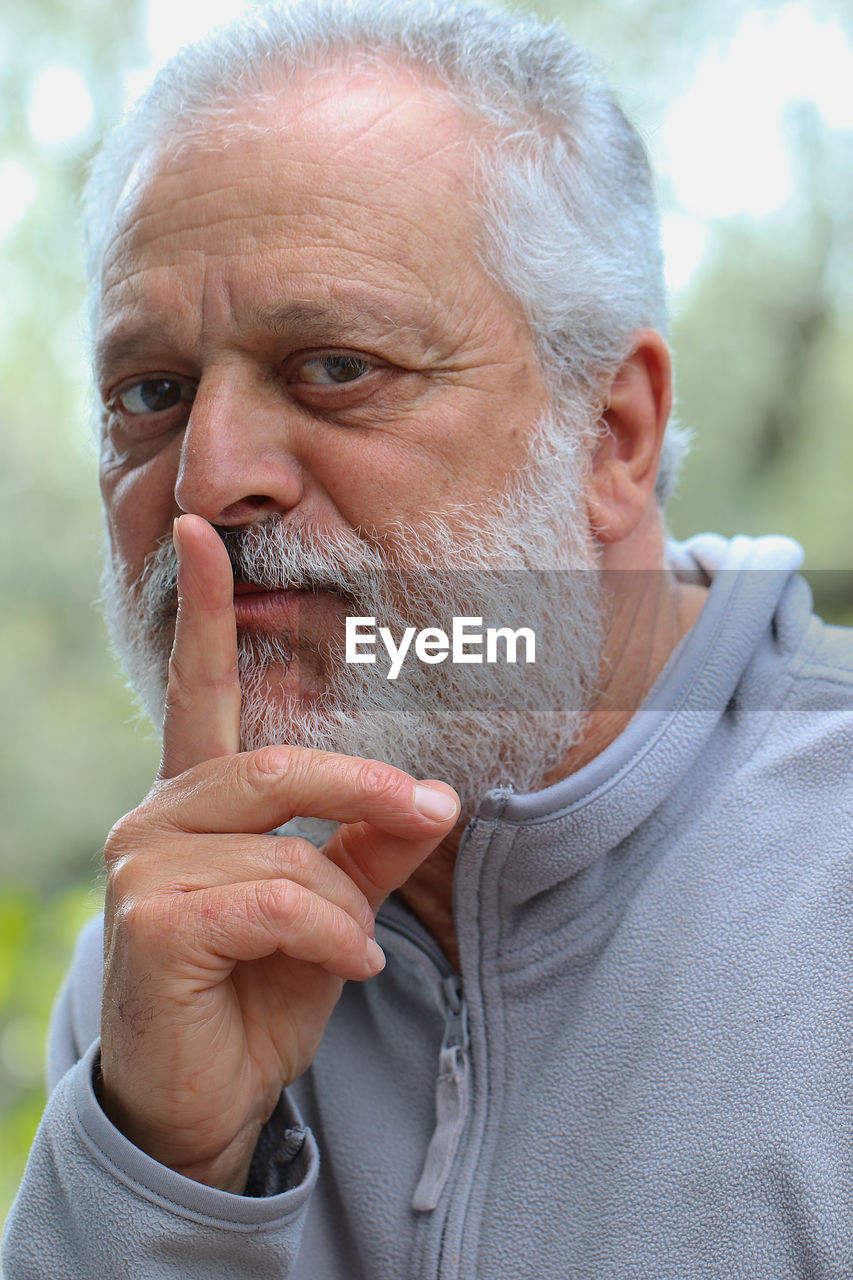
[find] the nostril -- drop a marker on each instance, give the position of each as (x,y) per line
(245,511)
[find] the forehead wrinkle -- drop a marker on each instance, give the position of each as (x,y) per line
(136,221)
(450,164)
(118,249)
(442,144)
(400,307)
(139,318)
(217,301)
(433,122)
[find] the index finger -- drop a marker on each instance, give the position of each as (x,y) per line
(202,717)
(258,791)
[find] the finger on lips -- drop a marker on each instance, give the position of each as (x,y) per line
(208,791)
(202,716)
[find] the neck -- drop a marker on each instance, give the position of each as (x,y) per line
(649,612)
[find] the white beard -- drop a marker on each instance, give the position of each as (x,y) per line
(525,559)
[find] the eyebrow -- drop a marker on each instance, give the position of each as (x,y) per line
(303,315)
(113,346)
(324,321)
(304,319)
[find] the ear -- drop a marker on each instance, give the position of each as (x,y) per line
(625,463)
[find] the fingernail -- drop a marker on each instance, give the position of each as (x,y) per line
(375,956)
(176,535)
(435,804)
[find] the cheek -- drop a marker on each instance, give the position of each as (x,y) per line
(415,465)
(360,476)
(362,494)
(139,507)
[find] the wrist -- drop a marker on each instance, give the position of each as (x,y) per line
(225,1170)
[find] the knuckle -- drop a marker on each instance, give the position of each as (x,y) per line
(120,879)
(282,901)
(287,909)
(379,782)
(262,772)
(182,692)
(178,697)
(115,848)
(186,678)
(124,836)
(138,922)
(297,855)
(180,682)
(268,762)
(304,862)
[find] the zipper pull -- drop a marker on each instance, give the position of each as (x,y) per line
(451,1099)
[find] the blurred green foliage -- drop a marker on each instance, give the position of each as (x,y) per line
(36,939)
(762,339)
(762,345)
(71,758)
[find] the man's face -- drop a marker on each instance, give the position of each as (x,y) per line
(297,323)
(297,333)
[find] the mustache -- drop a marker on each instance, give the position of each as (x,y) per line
(273,555)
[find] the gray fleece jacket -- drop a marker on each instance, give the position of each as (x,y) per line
(644,1072)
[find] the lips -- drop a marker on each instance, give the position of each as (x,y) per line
(283,608)
(243,588)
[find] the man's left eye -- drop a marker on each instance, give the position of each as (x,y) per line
(334,370)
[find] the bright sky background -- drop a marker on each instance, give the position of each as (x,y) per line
(722,146)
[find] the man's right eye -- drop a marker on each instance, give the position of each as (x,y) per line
(153,395)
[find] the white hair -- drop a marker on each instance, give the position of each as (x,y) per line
(570,224)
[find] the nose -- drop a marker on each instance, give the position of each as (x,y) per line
(237,464)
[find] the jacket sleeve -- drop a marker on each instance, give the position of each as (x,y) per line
(93,1205)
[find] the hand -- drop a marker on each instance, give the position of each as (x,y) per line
(226,948)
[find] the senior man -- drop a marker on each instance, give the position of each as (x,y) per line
(378,312)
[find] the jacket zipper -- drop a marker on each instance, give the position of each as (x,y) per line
(451,1098)
(452,1090)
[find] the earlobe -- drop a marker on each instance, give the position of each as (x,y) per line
(625,463)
